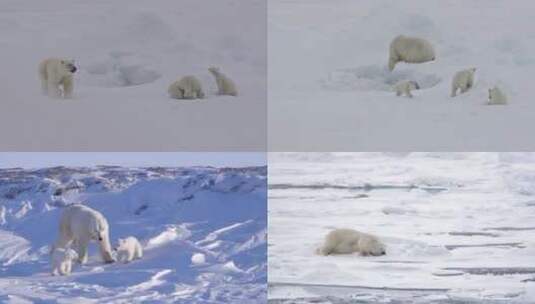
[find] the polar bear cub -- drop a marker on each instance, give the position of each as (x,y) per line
(225,85)
(62,259)
(347,241)
(409,50)
(463,80)
(187,87)
(405,87)
(129,249)
(496,96)
(56,76)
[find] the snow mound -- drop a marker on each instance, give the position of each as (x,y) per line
(120,69)
(198,258)
(376,78)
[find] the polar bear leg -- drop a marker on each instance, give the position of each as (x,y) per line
(63,268)
(464,88)
(200,94)
(44,86)
(453,90)
(53,88)
(81,249)
(139,252)
(68,87)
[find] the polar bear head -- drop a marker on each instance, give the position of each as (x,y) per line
(414,85)
(68,66)
(213,70)
(371,246)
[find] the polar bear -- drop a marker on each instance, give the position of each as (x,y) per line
(56,73)
(405,87)
(62,260)
(79,225)
(409,50)
(347,241)
(129,249)
(188,87)
(496,96)
(225,85)
(463,80)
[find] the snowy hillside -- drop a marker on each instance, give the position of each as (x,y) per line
(458,228)
(128,53)
(329,85)
(203,231)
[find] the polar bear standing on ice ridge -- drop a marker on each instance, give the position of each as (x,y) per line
(463,80)
(62,259)
(409,50)
(129,249)
(187,87)
(79,225)
(225,85)
(347,241)
(57,74)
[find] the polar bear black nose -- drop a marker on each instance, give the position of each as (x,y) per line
(73,69)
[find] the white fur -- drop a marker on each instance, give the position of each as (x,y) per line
(62,261)
(225,85)
(410,50)
(405,87)
(56,77)
(129,249)
(497,97)
(463,80)
(188,87)
(79,225)
(347,241)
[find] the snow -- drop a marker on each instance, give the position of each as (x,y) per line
(458,227)
(203,232)
(128,53)
(330,89)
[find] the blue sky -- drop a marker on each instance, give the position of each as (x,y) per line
(139,159)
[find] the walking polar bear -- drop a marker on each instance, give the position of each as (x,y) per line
(129,249)
(347,241)
(225,85)
(405,87)
(409,50)
(188,87)
(56,77)
(463,80)
(62,259)
(79,225)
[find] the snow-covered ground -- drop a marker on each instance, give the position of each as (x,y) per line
(128,52)
(329,86)
(458,228)
(203,231)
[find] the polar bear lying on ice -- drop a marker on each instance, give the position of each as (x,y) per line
(347,241)
(79,225)
(405,87)
(187,87)
(62,259)
(129,249)
(57,74)
(409,50)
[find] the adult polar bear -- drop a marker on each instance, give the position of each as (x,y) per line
(79,225)
(410,50)
(56,73)
(347,241)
